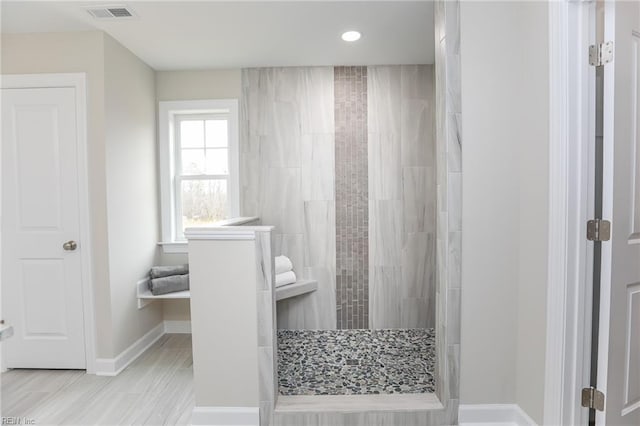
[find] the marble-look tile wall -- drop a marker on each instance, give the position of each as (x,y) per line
(449,202)
(287,178)
(352,195)
(402,196)
(267,339)
(440,417)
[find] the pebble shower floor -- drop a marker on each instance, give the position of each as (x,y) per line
(356,362)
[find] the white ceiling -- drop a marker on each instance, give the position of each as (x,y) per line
(173,35)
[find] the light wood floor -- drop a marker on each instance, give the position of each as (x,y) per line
(156,389)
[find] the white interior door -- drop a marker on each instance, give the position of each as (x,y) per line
(623,372)
(41,280)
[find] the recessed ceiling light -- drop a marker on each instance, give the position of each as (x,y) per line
(351,36)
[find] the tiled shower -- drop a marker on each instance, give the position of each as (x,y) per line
(342,161)
(359,170)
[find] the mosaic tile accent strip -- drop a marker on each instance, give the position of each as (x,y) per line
(352,199)
(356,362)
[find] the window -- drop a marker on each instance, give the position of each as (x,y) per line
(198,166)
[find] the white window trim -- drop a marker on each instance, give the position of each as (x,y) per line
(166,112)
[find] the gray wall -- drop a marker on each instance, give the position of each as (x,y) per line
(506,132)
(132,188)
(401,196)
(286,173)
(121,164)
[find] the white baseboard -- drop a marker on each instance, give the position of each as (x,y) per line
(179,327)
(113,366)
(226,416)
(493,415)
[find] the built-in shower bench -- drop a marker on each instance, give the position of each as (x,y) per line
(296,289)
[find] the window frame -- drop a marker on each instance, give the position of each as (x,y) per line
(168,114)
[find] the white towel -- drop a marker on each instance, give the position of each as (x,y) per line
(283,264)
(285,278)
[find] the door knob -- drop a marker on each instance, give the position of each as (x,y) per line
(70,245)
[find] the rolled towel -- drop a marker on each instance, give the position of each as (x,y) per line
(169,284)
(283,264)
(285,278)
(167,271)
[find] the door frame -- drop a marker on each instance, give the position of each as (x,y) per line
(571,201)
(572,132)
(76,81)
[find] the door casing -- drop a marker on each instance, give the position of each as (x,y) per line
(571,201)
(76,81)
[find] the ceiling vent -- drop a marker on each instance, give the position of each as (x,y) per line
(111,12)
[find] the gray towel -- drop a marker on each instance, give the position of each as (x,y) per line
(169,284)
(167,271)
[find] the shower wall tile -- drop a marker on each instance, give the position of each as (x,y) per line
(385,88)
(281,200)
(385,166)
(454,143)
(454,207)
(385,231)
(318,167)
(264,263)
(317,101)
(449,187)
(412,82)
(403,196)
(325,296)
(281,147)
(319,221)
(453,83)
(455,259)
(265,361)
(249,111)
(453,362)
(267,342)
(447,416)
(414,311)
(286,160)
(285,83)
(453,316)
(438,21)
(352,195)
(418,210)
(416,133)
(417,259)
(452,26)
(250,182)
(385,305)
(265,315)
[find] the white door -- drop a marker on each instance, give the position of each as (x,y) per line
(41,279)
(623,372)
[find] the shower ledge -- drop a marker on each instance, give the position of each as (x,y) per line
(296,289)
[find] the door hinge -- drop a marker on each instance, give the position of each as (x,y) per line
(598,230)
(593,398)
(600,54)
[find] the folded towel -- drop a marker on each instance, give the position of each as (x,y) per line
(283,264)
(166,271)
(285,278)
(169,284)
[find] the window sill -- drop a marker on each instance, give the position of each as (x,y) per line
(174,247)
